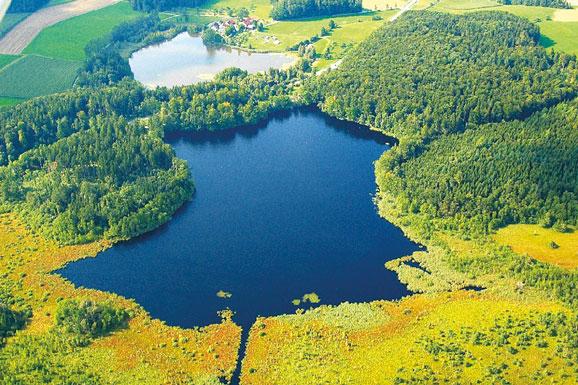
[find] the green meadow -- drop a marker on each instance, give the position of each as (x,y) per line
(67,39)
(34,75)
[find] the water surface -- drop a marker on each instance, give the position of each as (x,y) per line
(281,210)
(186,60)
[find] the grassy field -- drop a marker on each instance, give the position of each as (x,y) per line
(351,29)
(67,39)
(535,241)
(453,338)
(34,75)
(6,59)
(146,352)
(7,102)
(10,20)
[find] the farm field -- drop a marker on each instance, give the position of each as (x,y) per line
(546,245)
(258,8)
(67,39)
(10,20)
(34,75)
(22,34)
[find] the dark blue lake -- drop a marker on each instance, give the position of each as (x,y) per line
(280,210)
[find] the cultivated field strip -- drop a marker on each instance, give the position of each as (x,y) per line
(22,34)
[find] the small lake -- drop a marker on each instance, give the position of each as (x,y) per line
(186,60)
(281,210)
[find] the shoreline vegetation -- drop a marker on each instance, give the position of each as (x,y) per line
(527,309)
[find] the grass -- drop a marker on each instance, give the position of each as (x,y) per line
(535,241)
(7,59)
(147,352)
(351,29)
(7,102)
(10,20)
(34,75)
(258,8)
(452,338)
(67,39)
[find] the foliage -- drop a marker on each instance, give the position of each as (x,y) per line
(113,179)
(538,3)
(494,175)
(422,91)
(293,9)
(88,318)
(233,99)
(10,322)
(212,38)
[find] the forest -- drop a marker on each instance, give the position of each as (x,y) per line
(84,165)
(294,9)
(422,94)
(473,155)
(538,3)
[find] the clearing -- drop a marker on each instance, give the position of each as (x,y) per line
(24,32)
(536,241)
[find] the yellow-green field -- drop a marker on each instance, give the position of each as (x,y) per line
(454,338)
(147,352)
(536,242)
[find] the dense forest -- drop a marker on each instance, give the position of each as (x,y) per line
(444,72)
(26,5)
(293,9)
(538,3)
(86,164)
(487,122)
(496,174)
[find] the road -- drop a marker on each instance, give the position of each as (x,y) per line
(23,33)
(409,5)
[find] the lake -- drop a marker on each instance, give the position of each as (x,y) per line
(186,60)
(281,210)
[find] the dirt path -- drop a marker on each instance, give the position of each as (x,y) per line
(22,34)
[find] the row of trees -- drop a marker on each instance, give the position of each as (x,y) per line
(538,3)
(293,9)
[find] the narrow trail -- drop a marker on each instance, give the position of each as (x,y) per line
(15,41)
